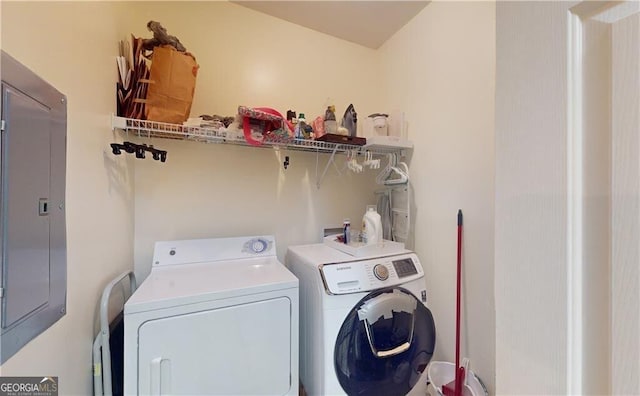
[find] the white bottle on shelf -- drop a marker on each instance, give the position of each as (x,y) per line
(371,226)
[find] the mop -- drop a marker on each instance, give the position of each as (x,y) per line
(458,386)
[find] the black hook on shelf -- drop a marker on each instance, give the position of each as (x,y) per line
(139,150)
(286,162)
(126,146)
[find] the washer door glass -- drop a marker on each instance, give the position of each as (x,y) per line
(384,344)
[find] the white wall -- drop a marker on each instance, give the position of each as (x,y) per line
(440,69)
(68,46)
(531,198)
(249,58)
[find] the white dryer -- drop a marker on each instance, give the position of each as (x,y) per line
(365,328)
(214,317)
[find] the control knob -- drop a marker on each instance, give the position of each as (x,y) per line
(381,272)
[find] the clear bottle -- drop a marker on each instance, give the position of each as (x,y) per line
(299,130)
(330,123)
(305,128)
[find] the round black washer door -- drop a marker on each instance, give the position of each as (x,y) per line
(384,344)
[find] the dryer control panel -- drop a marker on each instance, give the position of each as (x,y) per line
(367,275)
(214,249)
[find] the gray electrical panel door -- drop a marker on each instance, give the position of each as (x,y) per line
(26,168)
(32,211)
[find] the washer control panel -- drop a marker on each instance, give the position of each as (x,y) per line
(371,274)
(381,272)
(404,267)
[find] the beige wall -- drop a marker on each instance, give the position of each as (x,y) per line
(249,58)
(72,46)
(531,198)
(539,205)
(440,68)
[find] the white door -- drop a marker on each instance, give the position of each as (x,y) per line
(625,201)
(567,245)
(237,350)
(604,113)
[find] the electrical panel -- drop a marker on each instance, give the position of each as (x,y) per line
(33,248)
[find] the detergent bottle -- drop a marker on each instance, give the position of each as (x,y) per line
(371,226)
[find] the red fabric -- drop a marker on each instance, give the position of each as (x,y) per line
(272,118)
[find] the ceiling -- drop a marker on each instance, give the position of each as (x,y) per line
(368,23)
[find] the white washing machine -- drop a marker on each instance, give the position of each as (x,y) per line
(365,328)
(214,317)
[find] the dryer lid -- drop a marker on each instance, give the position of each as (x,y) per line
(170,286)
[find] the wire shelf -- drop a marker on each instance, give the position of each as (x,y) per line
(155,129)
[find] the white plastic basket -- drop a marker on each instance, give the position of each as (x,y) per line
(441,373)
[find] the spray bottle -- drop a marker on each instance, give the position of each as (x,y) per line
(346,231)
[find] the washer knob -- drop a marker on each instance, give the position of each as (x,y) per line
(381,272)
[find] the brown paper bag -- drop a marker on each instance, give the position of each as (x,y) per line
(171,86)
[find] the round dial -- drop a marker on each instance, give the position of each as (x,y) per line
(258,245)
(381,272)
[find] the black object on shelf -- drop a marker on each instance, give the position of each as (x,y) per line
(335,138)
(139,150)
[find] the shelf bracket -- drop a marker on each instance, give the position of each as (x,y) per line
(118,123)
(326,168)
